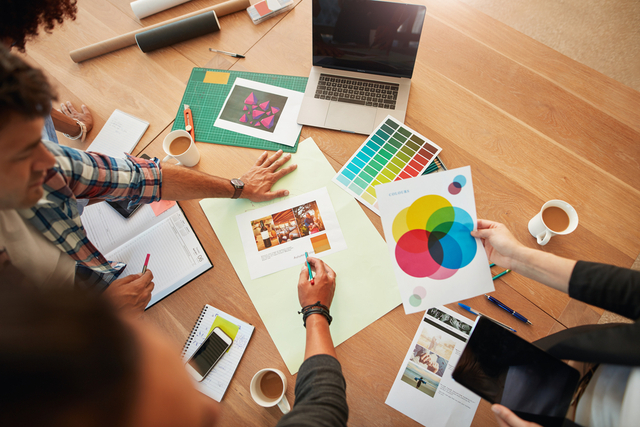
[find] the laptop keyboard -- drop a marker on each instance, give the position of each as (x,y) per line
(357,91)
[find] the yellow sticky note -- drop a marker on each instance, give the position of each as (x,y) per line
(227,327)
(216,78)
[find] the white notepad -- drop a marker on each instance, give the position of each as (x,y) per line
(119,135)
(215,384)
(177,257)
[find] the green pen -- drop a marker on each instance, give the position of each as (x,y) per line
(306,258)
(499,275)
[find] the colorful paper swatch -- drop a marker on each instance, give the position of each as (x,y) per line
(391,153)
(320,243)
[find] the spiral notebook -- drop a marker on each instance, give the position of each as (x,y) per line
(215,384)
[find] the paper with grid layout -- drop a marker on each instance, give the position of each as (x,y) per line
(391,153)
(206,93)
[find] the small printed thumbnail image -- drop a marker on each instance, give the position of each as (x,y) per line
(420,378)
(254,108)
(289,225)
(437,341)
(308,218)
(429,360)
(450,320)
(264,233)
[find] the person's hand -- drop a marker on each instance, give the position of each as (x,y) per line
(85,117)
(323,287)
(498,242)
(263,175)
(131,293)
(506,418)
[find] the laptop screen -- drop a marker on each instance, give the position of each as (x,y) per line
(367,36)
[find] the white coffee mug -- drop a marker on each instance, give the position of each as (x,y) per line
(542,232)
(190,157)
(262,400)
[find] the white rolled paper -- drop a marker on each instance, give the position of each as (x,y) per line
(144,8)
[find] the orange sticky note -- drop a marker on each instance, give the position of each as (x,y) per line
(161,206)
(216,78)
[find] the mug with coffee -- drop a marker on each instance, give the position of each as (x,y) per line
(555,218)
(268,388)
(179,145)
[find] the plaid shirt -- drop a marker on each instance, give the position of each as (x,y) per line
(80,175)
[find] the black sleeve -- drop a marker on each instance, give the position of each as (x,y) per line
(321,395)
(613,288)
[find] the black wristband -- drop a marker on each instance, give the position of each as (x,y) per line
(316,308)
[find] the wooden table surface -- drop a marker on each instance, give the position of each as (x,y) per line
(533,124)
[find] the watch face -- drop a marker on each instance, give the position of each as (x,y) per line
(237,183)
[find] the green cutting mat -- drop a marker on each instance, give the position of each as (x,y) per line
(206,101)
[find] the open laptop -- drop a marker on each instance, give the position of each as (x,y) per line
(364,52)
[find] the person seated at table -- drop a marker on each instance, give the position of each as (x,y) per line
(21,21)
(70,359)
(612,390)
(41,183)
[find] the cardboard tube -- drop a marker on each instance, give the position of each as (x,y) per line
(177,32)
(129,39)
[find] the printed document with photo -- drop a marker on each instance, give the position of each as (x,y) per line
(276,237)
(262,111)
(424,389)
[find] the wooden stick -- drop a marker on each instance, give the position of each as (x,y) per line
(129,39)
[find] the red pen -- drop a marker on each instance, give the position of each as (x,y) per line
(146,262)
(188,122)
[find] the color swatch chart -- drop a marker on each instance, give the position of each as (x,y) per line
(391,153)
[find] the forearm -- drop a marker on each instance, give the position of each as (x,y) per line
(64,123)
(543,267)
(319,339)
(180,183)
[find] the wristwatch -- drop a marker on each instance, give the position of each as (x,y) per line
(239,186)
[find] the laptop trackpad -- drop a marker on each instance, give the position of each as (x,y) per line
(350,117)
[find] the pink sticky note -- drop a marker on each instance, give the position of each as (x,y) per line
(161,206)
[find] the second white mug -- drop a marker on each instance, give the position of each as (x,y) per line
(180,146)
(555,218)
(268,388)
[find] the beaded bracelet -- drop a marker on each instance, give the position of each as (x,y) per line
(316,308)
(82,134)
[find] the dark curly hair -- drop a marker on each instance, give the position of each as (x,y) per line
(20,20)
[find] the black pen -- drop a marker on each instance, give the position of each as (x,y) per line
(511,311)
(235,55)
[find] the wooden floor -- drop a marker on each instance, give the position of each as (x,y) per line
(533,124)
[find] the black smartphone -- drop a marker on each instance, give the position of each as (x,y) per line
(122,206)
(208,354)
(503,368)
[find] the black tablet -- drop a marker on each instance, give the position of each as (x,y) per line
(503,368)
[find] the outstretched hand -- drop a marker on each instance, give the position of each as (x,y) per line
(263,175)
(506,418)
(132,293)
(85,116)
(498,242)
(323,286)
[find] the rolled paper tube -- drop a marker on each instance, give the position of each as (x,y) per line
(177,32)
(129,39)
(144,8)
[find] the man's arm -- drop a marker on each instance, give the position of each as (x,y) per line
(180,183)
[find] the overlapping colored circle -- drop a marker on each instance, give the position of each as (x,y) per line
(456,186)
(433,239)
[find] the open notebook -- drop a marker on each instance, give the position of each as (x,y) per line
(215,384)
(177,257)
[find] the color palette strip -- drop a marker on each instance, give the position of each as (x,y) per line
(391,153)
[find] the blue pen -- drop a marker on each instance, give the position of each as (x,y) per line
(511,311)
(306,258)
(477,313)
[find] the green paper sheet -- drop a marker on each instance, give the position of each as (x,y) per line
(365,282)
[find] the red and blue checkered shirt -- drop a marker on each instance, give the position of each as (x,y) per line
(80,175)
